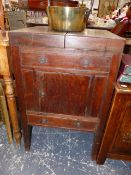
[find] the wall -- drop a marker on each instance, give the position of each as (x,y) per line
(121,2)
(96,4)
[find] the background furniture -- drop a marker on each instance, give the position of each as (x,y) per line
(5,71)
(66,80)
(127,48)
(116,142)
(9,89)
(16,19)
(4,111)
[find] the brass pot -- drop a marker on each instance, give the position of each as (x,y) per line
(68,19)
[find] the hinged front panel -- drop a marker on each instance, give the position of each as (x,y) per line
(64,93)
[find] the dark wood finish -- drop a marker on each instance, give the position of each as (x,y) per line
(65,3)
(128,13)
(65,58)
(62,121)
(65,79)
(45,92)
(116,142)
(37,4)
(42,4)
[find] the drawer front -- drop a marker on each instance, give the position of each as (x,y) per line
(62,58)
(64,93)
(63,121)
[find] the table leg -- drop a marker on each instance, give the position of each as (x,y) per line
(10,95)
(5,114)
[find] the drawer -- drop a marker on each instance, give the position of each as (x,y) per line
(37,4)
(63,58)
(63,121)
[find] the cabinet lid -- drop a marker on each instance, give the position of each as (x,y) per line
(37,36)
(95,39)
(90,39)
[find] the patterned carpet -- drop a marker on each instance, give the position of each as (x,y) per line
(55,152)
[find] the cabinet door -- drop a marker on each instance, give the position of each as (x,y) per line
(64,93)
(122,142)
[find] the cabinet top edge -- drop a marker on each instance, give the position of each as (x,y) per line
(44,30)
(37,30)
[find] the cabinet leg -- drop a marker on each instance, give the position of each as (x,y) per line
(27,136)
(95,155)
(101,161)
(5,114)
(94,152)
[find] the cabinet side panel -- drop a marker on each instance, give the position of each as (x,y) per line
(114,67)
(122,141)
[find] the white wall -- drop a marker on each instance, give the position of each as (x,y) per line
(96,4)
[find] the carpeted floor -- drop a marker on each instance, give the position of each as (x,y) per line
(55,152)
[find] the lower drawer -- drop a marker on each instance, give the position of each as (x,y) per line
(63,121)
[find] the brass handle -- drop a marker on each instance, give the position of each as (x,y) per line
(42,60)
(44,121)
(78,124)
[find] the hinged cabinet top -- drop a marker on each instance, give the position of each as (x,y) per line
(90,39)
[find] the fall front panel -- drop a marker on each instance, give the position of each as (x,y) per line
(64,93)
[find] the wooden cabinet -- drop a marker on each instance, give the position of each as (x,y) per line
(116,142)
(65,79)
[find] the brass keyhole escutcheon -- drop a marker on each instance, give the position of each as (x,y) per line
(44,121)
(78,124)
(42,60)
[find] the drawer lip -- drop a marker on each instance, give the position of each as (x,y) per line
(62,121)
(63,58)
